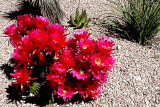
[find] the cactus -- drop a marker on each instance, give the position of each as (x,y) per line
(80,21)
(46,8)
(35,88)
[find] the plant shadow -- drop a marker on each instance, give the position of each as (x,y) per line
(49,8)
(15,95)
(45,100)
(24,8)
(7,68)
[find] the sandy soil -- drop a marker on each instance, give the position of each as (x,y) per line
(135,80)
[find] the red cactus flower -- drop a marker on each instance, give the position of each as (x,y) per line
(61,68)
(81,71)
(65,92)
(39,38)
(79,34)
(95,90)
(67,57)
(25,22)
(12,31)
(21,75)
(82,57)
(101,61)
(70,43)
(86,45)
(56,36)
(88,88)
(56,28)
(22,57)
(41,22)
(27,44)
(98,60)
(99,75)
(55,79)
(105,45)
(109,62)
(79,64)
(56,42)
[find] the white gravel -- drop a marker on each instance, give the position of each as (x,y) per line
(133,82)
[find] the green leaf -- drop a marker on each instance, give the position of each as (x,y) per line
(78,24)
(51,101)
(86,22)
(83,16)
(72,21)
(77,18)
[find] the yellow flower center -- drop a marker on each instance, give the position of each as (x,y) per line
(98,61)
(81,72)
(55,41)
(106,47)
(109,65)
(64,92)
(85,46)
(94,91)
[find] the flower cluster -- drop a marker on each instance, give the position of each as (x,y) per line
(43,54)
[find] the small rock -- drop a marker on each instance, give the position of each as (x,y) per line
(118,47)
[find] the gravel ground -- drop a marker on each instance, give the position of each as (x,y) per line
(135,80)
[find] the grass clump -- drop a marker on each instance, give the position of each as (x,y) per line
(137,20)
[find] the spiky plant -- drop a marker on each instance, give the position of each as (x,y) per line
(50,9)
(80,21)
(137,20)
(35,88)
(46,8)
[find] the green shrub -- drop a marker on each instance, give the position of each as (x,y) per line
(80,21)
(137,20)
